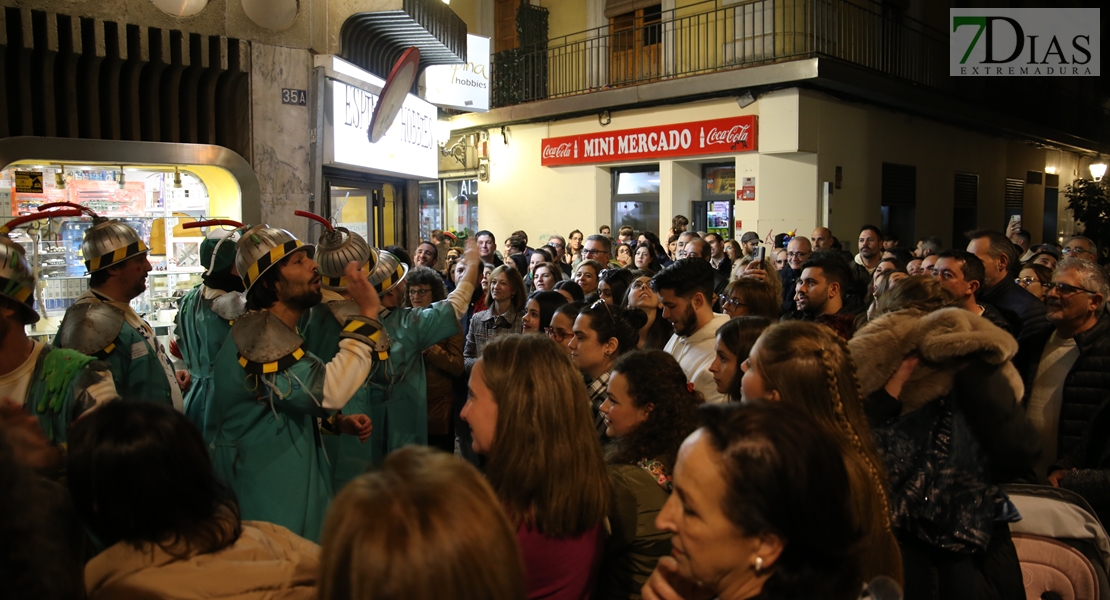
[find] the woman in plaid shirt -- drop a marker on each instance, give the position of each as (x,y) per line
(505,300)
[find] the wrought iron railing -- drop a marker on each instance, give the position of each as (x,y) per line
(718,35)
(708,37)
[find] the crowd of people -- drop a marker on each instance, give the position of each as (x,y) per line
(632,416)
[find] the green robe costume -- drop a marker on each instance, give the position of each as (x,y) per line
(395,395)
(267,443)
(57,393)
(200,335)
(135,364)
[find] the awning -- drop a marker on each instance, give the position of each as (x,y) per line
(375,40)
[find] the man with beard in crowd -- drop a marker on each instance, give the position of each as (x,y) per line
(274,396)
(820,294)
(686,291)
(870,248)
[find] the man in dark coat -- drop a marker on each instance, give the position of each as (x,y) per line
(1000,261)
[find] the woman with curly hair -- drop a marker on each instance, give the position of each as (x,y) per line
(649,411)
(808,366)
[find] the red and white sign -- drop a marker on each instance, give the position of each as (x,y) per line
(719,136)
(747,190)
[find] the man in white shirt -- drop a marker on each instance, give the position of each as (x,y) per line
(1065,368)
(686,291)
(53,384)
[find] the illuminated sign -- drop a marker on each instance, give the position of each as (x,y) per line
(719,136)
(461,87)
(409,148)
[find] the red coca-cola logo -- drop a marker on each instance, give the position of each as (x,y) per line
(560,151)
(738,134)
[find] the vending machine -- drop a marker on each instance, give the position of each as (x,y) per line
(713,212)
(713,217)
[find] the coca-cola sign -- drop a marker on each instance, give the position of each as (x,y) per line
(737,134)
(718,136)
(559,151)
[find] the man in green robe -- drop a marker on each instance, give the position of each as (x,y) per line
(204,317)
(101,323)
(264,423)
(395,394)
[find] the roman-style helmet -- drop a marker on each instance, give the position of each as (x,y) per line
(337,247)
(17,279)
(262,247)
(388,272)
(108,242)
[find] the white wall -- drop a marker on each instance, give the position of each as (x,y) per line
(522,194)
(803,136)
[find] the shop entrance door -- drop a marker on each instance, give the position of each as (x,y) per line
(368,208)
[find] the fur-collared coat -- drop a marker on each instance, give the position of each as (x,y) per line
(957,428)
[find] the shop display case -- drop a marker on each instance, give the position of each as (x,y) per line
(155,201)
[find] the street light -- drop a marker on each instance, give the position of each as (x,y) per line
(1098,170)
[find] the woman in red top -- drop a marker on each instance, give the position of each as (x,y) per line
(529,414)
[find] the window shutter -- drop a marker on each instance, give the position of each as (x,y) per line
(1015,193)
(967,191)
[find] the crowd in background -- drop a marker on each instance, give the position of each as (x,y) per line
(640,415)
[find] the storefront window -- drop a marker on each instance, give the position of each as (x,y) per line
(636,198)
(431,216)
(366,208)
(638,182)
(155,200)
(461,197)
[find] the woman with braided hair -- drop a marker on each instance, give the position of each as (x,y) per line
(807,365)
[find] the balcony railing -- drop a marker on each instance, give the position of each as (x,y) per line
(708,37)
(718,35)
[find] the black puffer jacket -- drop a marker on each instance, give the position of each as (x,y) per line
(1087,386)
(1087,466)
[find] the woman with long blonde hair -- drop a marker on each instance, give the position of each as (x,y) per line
(808,366)
(424,526)
(530,415)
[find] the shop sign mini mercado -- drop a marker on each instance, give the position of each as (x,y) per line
(718,136)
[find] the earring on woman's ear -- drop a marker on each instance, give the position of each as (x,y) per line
(758,564)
